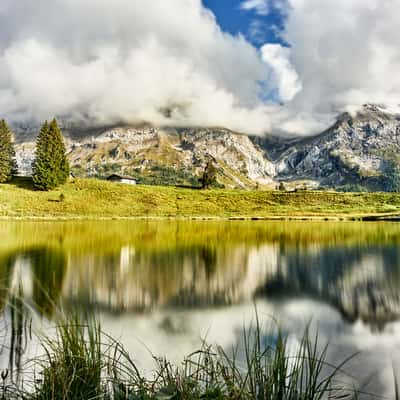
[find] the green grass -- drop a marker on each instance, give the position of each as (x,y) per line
(90,198)
(82,363)
(73,365)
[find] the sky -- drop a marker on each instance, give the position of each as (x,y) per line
(282,67)
(259,25)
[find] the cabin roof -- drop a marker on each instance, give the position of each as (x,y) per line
(116,176)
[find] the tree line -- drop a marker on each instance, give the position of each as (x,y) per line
(50,167)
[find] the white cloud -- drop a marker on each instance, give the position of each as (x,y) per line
(260,6)
(346,53)
(127,60)
(277,57)
(257,31)
(343,54)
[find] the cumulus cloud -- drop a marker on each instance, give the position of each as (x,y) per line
(260,6)
(257,31)
(164,62)
(277,57)
(346,53)
(169,63)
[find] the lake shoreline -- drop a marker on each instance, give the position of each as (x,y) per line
(286,218)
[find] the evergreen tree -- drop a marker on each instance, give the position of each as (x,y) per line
(8,165)
(282,187)
(51,167)
(391,177)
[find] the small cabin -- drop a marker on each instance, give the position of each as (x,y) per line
(127,180)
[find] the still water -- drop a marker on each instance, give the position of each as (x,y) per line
(162,287)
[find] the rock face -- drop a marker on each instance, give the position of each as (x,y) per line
(165,156)
(356,150)
(359,150)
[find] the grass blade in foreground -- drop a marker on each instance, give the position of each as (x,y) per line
(84,363)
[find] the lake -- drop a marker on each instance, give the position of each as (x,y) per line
(164,286)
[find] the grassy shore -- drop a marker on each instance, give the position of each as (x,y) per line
(90,198)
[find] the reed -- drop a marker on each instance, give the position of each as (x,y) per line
(82,362)
(73,363)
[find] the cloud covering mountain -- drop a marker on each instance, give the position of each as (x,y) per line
(165,62)
(170,63)
(346,53)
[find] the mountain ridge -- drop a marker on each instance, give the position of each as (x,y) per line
(360,151)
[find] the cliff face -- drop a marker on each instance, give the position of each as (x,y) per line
(164,156)
(359,149)
(177,156)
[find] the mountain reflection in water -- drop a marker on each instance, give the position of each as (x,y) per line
(170,283)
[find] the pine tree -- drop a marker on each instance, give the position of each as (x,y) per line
(51,167)
(8,165)
(391,177)
(59,156)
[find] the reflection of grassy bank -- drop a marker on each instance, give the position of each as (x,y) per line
(85,198)
(163,256)
(103,237)
(82,363)
(145,265)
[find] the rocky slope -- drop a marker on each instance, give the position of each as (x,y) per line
(164,156)
(358,151)
(173,156)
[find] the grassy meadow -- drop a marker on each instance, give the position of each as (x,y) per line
(94,199)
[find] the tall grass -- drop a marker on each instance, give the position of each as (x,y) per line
(73,365)
(81,362)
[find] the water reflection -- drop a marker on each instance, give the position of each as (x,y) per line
(171,283)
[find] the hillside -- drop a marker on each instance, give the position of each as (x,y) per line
(164,156)
(359,152)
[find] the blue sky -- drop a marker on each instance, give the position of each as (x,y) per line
(256,27)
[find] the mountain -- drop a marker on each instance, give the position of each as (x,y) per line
(359,151)
(163,156)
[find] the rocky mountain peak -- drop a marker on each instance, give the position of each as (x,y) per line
(357,152)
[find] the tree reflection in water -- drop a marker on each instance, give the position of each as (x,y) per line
(131,271)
